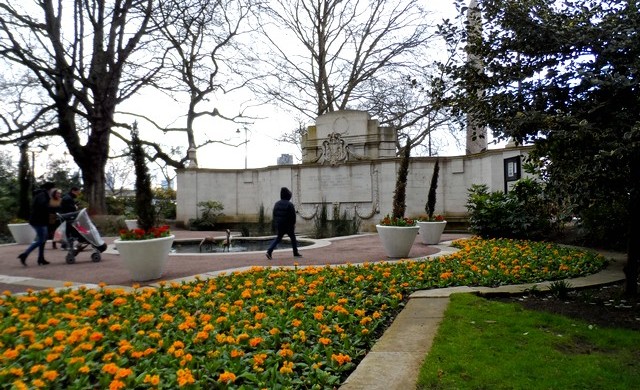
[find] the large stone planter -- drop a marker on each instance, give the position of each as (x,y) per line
(145,259)
(397,240)
(430,232)
(22,233)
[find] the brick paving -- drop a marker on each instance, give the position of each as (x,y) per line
(354,249)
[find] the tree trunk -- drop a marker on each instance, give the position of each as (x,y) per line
(400,194)
(633,245)
(24,182)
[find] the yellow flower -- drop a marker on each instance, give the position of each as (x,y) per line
(185,377)
(287,368)
(50,375)
(154,380)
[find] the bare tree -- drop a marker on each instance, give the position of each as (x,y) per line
(324,52)
(118,174)
(81,56)
(415,105)
(204,60)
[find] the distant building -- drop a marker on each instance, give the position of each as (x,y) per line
(285,159)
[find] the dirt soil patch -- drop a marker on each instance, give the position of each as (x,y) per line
(604,306)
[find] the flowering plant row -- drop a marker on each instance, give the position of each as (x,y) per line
(141,234)
(261,328)
(435,218)
(393,221)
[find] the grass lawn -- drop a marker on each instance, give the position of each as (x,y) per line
(483,344)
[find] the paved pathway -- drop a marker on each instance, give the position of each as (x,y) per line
(398,353)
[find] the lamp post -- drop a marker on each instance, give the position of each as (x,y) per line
(246,142)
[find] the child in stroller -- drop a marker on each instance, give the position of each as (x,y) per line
(77,232)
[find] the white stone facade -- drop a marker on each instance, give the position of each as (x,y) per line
(349,164)
(362,187)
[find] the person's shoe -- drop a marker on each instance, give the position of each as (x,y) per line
(268,255)
(297,255)
(23,259)
(43,262)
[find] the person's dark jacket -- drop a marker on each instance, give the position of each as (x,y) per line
(284,213)
(40,208)
(68,204)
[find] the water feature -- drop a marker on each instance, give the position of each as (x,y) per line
(237,245)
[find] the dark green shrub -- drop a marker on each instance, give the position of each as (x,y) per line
(341,225)
(144,195)
(210,210)
(430,207)
(523,212)
(165,202)
(263,225)
(121,205)
(604,224)
(346,225)
(321,223)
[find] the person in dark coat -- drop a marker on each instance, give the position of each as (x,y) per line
(284,220)
(69,202)
(39,220)
(54,208)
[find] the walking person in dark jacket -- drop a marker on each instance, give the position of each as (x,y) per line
(284,219)
(39,220)
(69,202)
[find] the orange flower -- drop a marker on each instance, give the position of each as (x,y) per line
(254,342)
(154,380)
(185,377)
(227,377)
(324,341)
(341,358)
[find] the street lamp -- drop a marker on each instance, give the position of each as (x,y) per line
(246,142)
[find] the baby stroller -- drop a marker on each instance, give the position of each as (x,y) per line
(76,232)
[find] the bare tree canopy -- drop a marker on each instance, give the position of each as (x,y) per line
(80,56)
(203,61)
(322,53)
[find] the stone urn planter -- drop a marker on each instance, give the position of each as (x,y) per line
(131,223)
(22,233)
(430,232)
(397,240)
(145,259)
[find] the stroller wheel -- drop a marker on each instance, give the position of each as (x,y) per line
(71,258)
(95,257)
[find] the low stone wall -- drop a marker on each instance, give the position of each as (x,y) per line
(364,188)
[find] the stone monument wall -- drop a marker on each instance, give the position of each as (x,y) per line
(364,188)
(349,164)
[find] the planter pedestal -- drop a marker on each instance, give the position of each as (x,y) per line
(397,240)
(430,232)
(22,233)
(145,259)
